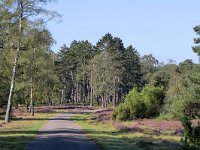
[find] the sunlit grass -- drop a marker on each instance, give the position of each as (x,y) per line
(110,138)
(19,132)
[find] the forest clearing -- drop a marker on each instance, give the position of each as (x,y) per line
(97,91)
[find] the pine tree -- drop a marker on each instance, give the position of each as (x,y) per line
(132,77)
(196,48)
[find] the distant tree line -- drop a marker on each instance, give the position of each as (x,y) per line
(103,73)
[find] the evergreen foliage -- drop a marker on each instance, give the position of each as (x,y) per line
(105,72)
(196,48)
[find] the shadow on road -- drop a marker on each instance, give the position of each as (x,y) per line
(74,139)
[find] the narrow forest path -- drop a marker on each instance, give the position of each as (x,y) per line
(61,133)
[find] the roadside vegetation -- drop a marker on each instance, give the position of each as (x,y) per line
(129,135)
(22,130)
(105,75)
(146,104)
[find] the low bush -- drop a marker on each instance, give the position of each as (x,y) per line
(123,112)
(140,105)
(191,140)
(136,105)
(153,99)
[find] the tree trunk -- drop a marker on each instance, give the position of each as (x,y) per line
(115,99)
(91,96)
(102,99)
(91,89)
(96,99)
(84,92)
(118,97)
(106,100)
(115,95)
(12,83)
(84,84)
(118,94)
(72,93)
(31,107)
(27,109)
(49,99)
(62,97)
(77,89)
(32,110)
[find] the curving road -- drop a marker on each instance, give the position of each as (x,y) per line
(61,133)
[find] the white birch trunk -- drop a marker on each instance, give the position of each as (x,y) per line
(12,83)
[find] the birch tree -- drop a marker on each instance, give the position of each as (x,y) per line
(20,13)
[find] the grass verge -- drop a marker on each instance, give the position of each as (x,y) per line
(109,138)
(22,130)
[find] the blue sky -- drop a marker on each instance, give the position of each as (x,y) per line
(162,28)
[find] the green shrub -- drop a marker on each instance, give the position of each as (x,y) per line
(175,109)
(140,105)
(191,140)
(153,99)
(123,112)
(135,104)
(114,114)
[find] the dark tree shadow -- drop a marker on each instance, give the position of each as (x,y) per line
(75,139)
(67,138)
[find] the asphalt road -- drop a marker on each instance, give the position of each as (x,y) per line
(61,133)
